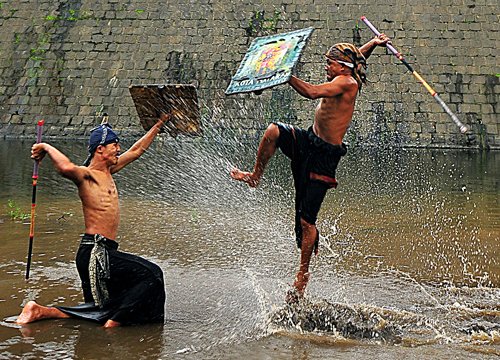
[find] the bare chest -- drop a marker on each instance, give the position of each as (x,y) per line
(99,190)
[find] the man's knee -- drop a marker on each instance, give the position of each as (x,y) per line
(307,228)
(307,223)
(272,132)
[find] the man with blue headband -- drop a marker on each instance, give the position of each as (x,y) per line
(100,135)
(118,288)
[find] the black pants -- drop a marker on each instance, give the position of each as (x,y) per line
(314,163)
(136,288)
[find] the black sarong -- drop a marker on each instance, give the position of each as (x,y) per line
(314,163)
(134,287)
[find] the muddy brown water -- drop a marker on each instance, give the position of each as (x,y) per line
(408,264)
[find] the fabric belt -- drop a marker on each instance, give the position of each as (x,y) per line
(332,182)
(99,271)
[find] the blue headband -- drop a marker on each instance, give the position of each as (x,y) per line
(100,135)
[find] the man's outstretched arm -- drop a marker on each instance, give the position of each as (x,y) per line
(140,146)
(61,163)
(312,91)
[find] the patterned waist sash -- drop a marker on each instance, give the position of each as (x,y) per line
(99,271)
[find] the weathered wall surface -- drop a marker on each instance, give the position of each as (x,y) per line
(70,61)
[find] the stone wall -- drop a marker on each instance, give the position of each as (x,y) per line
(71,61)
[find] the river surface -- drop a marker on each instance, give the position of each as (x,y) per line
(408,267)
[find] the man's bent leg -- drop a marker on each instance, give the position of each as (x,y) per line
(309,233)
(267,148)
(33,312)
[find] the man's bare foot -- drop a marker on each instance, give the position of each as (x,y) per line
(300,283)
(33,312)
(293,296)
(111,324)
(244,176)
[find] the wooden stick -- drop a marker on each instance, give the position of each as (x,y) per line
(39,129)
(397,54)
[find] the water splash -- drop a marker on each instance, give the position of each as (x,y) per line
(355,322)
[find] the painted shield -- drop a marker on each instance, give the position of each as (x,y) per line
(269,61)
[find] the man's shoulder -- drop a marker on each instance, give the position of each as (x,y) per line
(343,85)
(346,80)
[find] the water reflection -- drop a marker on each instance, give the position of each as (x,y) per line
(410,237)
(79,340)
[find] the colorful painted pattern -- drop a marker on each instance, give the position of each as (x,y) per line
(269,61)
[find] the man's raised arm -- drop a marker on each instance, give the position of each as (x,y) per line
(368,48)
(140,146)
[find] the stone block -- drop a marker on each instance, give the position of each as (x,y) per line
(22,100)
(16,119)
(415,127)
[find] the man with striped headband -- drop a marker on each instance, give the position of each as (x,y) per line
(316,152)
(349,55)
(118,288)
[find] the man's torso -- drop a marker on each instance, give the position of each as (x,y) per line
(333,115)
(99,197)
